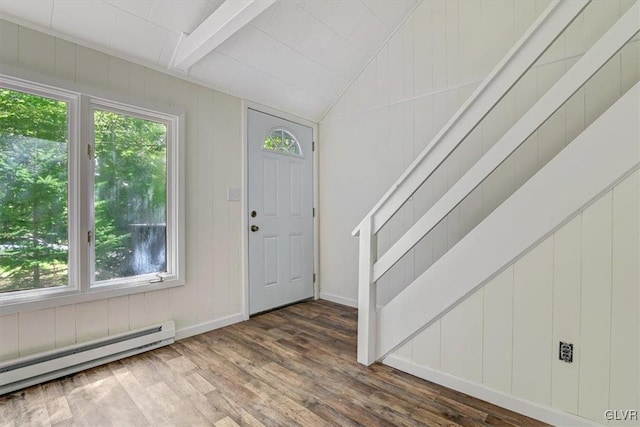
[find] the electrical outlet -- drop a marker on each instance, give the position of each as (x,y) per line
(566,352)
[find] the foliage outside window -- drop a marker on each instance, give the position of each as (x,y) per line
(283,142)
(34,242)
(58,234)
(130,195)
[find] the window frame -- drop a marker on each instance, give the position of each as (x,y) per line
(81,286)
(284,131)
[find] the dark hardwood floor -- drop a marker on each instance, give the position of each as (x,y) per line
(294,366)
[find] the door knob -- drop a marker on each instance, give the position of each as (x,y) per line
(255,228)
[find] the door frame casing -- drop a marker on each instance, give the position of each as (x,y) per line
(246,105)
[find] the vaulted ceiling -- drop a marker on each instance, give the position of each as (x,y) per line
(297,56)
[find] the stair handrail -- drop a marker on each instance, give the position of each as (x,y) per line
(533,43)
(588,65)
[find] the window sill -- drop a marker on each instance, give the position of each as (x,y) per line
(67,297)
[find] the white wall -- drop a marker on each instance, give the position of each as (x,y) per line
(213,292)
(580,285)
(408,92)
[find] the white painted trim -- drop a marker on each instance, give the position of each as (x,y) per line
(367,295)
(552,22)
(244,211)
(574,178)
(224,22)
(211,325)
(525,407)
(349,302)
(613,40)
(246,105)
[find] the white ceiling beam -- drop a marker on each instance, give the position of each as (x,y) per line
(225,21)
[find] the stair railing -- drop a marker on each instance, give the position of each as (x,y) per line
(549,25)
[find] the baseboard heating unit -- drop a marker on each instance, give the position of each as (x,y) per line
(29,370)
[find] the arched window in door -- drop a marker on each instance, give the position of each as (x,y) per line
(283,142)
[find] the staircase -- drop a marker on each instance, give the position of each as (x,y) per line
(587,167)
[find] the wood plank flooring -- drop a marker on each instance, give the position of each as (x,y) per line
(294,366)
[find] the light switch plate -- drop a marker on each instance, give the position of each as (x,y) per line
(233,194)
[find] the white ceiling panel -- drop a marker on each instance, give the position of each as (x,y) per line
(280,63)
(390,12)
(36,11)
(250,46)
(346,17)
(322,10)
(138,37)
(288,23)
(90,20)
(297,55)
(170,45)
(314,40)
(218,69)
(366,35)
(343,58)
(139,8)
(178,16)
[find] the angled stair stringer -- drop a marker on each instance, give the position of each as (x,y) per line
(599,157)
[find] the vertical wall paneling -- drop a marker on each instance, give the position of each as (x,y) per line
(136,311)
(396,64)
(439,43)
(65,60)
(630,65)
(455,45)
(498,332)
(9,337)
(9,43)
(382,78)
(136,84)
(603,89)
(65,323)
(118,76)
(595,319)
(566,314)
(156,306)
(37,331)
(422,49)
(408,70)
(406,350)
(92,320)
(625,321)
(532,306)
(92,68)
(118,315)
(469,40)
(36,51)
(205,154)
(426,346)
(463,324)
(555,293)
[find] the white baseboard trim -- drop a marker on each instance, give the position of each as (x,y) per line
(525,407)
(339,300)
(201,328)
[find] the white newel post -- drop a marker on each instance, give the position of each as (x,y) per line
(366,295)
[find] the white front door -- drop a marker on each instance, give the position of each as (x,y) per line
(280,212)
